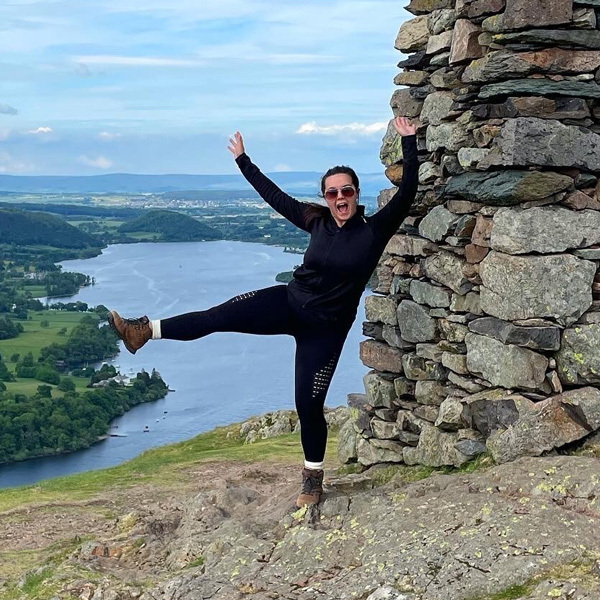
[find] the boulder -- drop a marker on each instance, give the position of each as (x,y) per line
(525,287)
(506,188)
(528,141)
(380,391)
(537,338)
(439,43)
(543,426)
(452,136)
(437,224)
(540,87)
(372,452)
(417,7)
(347,441)
(551,37)
(545,230)
(381,309)
(432,295)
(450,417)
(436,448)
(505,365)
(413,35)
(465,42)
(447,268)
(405,245)
(415,323)
(419,369)
(436,107)
(536,13)
(455,362)
(469,303)
(431,393)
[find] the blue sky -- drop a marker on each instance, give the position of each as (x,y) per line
(157,86)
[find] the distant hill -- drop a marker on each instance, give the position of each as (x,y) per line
(37,228)
(294,182)
(171,226)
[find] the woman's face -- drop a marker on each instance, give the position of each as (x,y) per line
(342,207)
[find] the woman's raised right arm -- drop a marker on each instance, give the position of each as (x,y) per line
(293,210)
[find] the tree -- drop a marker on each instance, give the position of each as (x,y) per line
(66,385)
(44,391)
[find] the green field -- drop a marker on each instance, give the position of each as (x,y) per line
(33,339)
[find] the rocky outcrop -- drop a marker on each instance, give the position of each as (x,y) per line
(492,285)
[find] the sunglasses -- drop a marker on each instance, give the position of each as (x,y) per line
(347,192)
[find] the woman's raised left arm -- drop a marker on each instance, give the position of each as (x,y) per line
(388,219)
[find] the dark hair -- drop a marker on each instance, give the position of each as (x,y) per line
(314,210)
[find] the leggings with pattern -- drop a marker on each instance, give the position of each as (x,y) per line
(268,312)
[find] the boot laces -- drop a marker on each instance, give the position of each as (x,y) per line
(137,323)
(310,484)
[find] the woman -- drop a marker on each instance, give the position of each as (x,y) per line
(318,307)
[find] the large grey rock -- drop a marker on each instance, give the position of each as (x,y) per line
(418,7)
(525,287)
(506,65)
(427,293)
(413,35)
(505,188)
(447,268)
(535,13)
(405,245)
(436,108)
(455,362)
(505,365)
(441,20)
(536,338)
(540,87)
(453,332)
(579,357)
(415,323)
(437,224)
(385,430)
(373,452)
(431,393)
(564,38)
(544,229)
(548,424)
(380,391)
(436,448)
(527,141)
(381,309)
(439,43)
(452,136)
(469,303)
(492,409)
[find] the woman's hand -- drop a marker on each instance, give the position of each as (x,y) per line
(236,146)
(404,127)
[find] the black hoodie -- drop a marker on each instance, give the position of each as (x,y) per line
(339,260)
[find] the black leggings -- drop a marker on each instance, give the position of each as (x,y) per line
(267,312)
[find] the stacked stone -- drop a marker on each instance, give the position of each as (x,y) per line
(486,327)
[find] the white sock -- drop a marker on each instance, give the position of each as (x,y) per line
(155,324)
(313,466)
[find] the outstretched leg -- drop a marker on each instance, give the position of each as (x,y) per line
(261,312)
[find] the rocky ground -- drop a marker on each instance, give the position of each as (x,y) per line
(527,530)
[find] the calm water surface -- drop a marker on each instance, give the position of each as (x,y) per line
(221,379)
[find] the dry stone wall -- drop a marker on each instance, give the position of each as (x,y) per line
(484,333)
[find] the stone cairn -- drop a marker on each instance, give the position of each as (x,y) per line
(485,330)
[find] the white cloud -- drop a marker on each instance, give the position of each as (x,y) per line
(312,128)
(108,137)
(100,162)
(136,61)
(41,131)
(282,168)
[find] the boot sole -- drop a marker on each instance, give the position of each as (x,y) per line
(111,322)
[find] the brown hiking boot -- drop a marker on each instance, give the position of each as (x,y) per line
(134,332)
(312,487)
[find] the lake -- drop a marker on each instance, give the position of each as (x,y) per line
(221,379)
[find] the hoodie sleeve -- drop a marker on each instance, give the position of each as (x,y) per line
(387,220)
(288,207)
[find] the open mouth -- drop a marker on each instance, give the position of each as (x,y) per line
(342,207)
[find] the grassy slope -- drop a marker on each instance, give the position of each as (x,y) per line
(162,466)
